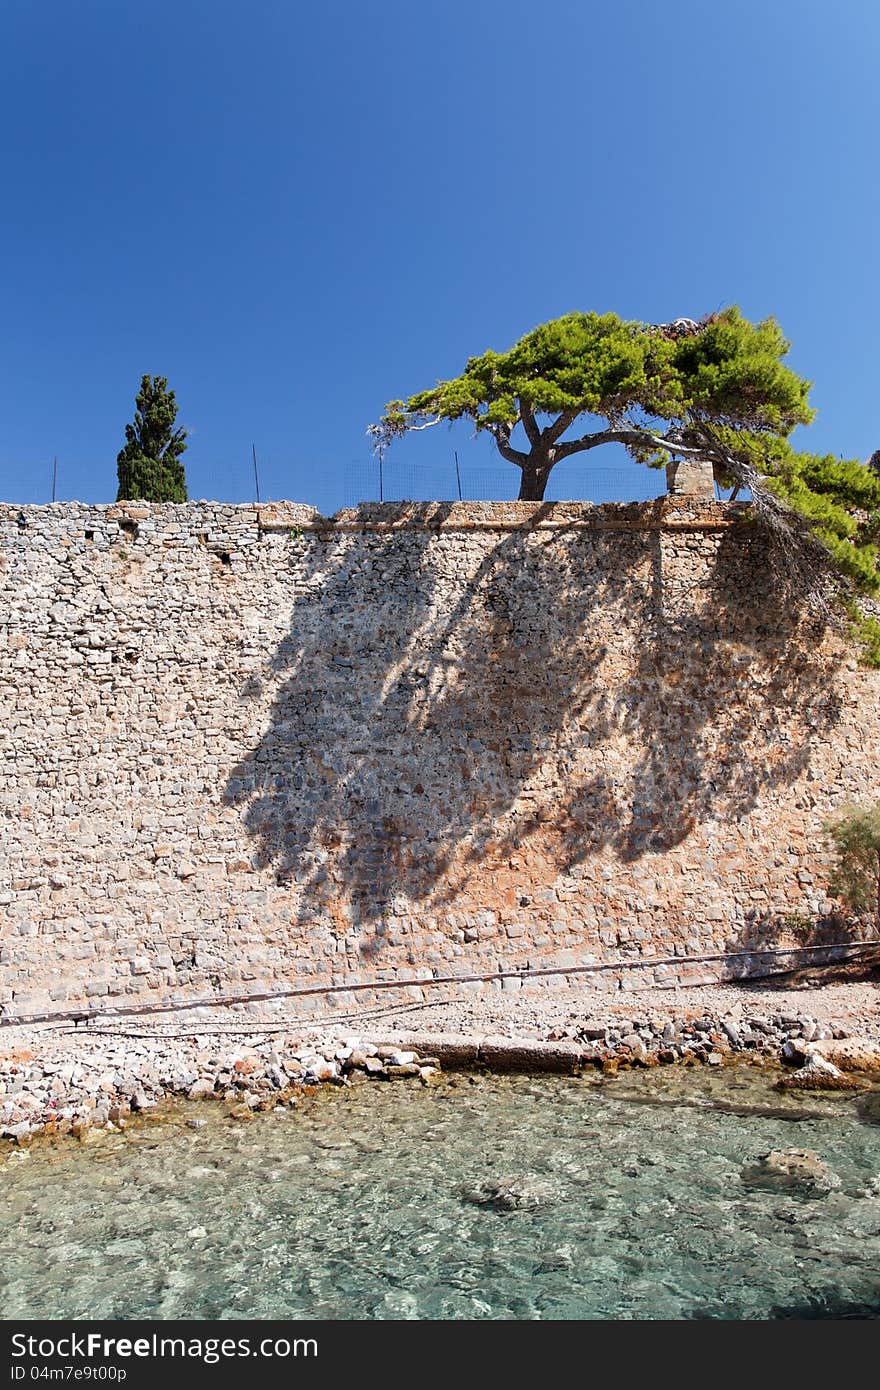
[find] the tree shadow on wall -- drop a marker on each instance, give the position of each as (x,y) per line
(452,708)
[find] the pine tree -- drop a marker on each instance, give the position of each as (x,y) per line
(150,466)
(717,390)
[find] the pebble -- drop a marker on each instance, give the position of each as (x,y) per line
(401,1059)
(201,1089)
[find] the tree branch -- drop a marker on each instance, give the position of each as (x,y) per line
(411,429)
(559,426)
(633,439)
(796,554)
(797,557)
(501,435)
(384,434)
(529,423)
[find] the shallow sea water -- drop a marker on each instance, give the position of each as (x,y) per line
(365,1204)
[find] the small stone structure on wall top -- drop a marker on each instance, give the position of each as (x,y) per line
(690,478)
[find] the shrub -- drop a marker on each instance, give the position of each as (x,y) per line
(855,834)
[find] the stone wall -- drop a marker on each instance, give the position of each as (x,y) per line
(247,749)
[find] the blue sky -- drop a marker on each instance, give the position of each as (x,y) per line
(297,212)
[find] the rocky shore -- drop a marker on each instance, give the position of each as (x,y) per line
(100,1080)
(76,1081)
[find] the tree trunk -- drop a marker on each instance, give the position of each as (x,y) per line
(532,483)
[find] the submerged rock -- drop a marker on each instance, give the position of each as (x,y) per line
(871,1189)
(869,1108)
(791,1170)
(508,1194)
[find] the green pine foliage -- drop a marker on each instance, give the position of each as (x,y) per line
(150,466)
(865,629)
(855,835)
(718,390)
(634,376)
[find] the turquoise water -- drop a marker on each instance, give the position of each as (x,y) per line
(486,1197)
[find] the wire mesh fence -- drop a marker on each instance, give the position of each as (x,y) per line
(372,480)
(333,485)
(375,480)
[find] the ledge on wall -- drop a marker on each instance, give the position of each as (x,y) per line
(664,513)
(672,512)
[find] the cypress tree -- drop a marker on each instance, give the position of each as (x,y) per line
(150,467)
